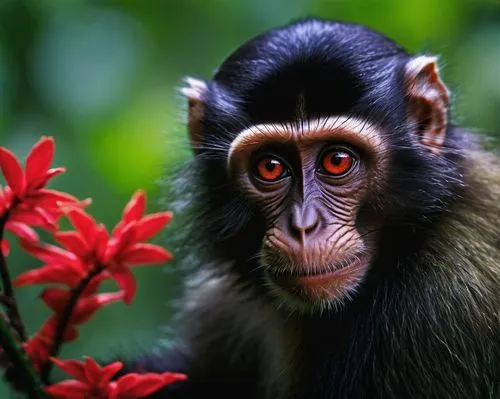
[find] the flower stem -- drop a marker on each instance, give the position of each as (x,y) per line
(23,370)
(21,366)
(8,292)
(64,320)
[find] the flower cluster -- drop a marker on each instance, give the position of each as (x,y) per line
(39,346)
(94,381)
(24,201)
(74,269)
(90,246)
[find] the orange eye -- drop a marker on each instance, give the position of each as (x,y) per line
(270,169)
(337,162)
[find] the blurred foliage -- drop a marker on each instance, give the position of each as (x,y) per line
(101,76)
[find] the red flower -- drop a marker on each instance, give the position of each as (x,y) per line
(85,257)
(57,299)
(38,347)
(91,246)
(94,382)
(25,200)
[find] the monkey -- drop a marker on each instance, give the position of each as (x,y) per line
(350,230)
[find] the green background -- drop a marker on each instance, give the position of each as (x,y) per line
(102,78)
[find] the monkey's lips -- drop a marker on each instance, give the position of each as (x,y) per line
(333,282)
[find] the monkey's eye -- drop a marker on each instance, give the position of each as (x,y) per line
(337,162)
(270,169)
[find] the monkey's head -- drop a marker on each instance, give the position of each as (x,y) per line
(320,145)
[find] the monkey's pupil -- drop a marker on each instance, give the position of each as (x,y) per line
(271,165)
(337,158)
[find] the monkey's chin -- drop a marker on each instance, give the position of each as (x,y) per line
(325,289)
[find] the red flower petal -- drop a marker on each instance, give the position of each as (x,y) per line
(73,242)
(42,181)
(46,334)
(141,385)
(50,273)
(92,371)
(55,298)
(37,351)
(84,224)
(37,347)
(12,171)
(74,368)
(110,370)
(5,247)
(39,159)
(140,254)
(86,307)
(48,329)
(51,254)
(49,218)
(69,389)
(22,230)
(70,334)
(120,240)
(45,197)
(94,284)
(102,240)
(29,217)
(126,281)
(135,208)
(152,224)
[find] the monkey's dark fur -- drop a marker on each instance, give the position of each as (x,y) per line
(425,321)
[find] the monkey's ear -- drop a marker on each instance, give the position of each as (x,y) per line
(428,101)
(194,91)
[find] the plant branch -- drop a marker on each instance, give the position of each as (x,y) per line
(64,320)
(20,364)
(9,300)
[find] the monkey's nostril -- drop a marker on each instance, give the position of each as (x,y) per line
(312,226)
(304,221)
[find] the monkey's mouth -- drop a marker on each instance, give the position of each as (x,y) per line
(333,282)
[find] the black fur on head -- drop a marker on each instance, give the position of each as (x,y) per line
(309,69)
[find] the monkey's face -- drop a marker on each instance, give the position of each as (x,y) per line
(325,188)
(313,186)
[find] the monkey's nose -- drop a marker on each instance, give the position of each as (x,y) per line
(304,221)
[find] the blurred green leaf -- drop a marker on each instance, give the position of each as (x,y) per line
(133,150)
